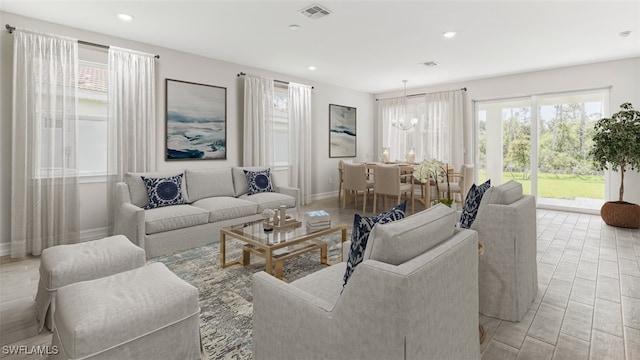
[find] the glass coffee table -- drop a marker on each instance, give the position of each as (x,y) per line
(276,246)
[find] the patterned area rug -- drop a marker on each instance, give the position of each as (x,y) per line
(226,301)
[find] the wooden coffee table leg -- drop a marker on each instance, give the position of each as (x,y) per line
(246,257)
(323,254)
(268,258)
(279,269)
(223,249)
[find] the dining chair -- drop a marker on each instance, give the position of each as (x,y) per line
(459,182)
(387,180)
(355,181)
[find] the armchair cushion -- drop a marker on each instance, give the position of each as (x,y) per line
(504,194)
(472,203)
(164,191)
(397,242)
(362,226)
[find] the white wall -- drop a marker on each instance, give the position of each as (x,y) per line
(180,66)
(623,76)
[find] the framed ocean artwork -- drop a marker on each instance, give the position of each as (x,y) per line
(342,131)
(196,124)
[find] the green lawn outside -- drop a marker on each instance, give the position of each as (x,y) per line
(559,186)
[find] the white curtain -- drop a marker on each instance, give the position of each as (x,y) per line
(258,121)
(44,177)
(300,140)
(438,133)
(443,138)
(131,116)
(393,138)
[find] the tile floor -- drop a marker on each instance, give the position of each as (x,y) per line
(587,307)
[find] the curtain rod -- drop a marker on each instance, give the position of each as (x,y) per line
(279,81)
(81,42)
(412,95)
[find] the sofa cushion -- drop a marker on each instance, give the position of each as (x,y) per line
(270,200)
(226,207)
(164,191)
(138,190)
(396,242)
(174,217)
(472,203)
(240,184)
(259,181)
(362,226)
(204,183)
(504,194)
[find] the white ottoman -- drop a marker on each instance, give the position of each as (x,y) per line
(67,264)
(145,313)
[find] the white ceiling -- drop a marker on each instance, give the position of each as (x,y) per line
(369,46)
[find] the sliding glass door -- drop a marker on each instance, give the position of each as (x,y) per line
(542,141)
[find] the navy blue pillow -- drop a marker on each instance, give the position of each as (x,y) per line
(471,204)
(259,181)
(164,191)
(362,226)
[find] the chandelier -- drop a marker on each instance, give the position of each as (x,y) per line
(401,123)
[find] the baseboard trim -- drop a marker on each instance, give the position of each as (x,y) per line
(5,249)
(85,235)
(326,195)
(94,234)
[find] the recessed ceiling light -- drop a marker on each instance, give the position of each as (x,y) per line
(449,34)
(624,34)
(125,17)
(311,68)
(294,27)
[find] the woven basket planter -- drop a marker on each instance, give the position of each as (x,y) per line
(621,214)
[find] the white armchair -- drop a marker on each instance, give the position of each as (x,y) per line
(394,306)
(508,273)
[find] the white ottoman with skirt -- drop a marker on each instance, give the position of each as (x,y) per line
(145,313)
(67,264)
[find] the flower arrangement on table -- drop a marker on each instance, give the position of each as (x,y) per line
(429,169)
(426,169)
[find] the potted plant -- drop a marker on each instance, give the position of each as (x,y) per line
(616,145)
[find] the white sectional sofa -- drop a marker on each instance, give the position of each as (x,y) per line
(214,198)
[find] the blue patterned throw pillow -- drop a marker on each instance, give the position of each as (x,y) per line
(471,204)
(259,181)
(164,191)
(362,226)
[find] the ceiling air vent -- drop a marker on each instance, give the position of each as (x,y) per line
(428,64)
(315,11)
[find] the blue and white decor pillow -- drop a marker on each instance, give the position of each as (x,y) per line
(259,181)
(362,226)
(471,204)
(164,191)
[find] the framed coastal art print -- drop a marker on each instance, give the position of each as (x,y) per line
(342,131)
(196,124)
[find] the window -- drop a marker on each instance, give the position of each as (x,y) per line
(542,141)
(92,116)
(281,125)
